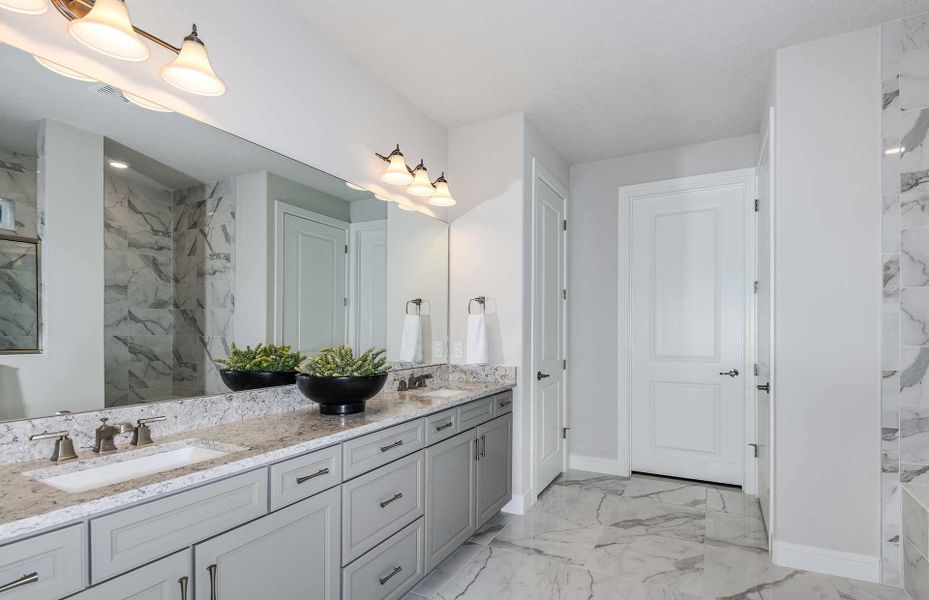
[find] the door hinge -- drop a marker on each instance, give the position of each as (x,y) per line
(755,369)
(564,294)
(564,365)
(564,432)
(755,287)
(346,248)
(346,301)
(756,204)
(754,449)
(564,225)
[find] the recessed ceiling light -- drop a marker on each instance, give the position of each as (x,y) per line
(119,164)
(352,186)
(63,71)
(146,104)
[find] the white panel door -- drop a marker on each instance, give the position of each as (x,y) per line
(688,286)
(548,332)
(313,284)
(368,300)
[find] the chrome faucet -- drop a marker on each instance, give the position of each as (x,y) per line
(104,435)
(141,434)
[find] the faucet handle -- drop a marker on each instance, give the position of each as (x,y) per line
(64,446)
(148,420)
(142,435)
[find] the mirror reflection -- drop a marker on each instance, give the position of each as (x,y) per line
(167,240)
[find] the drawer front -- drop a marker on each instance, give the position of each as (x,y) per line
(474,413)
(381,503)
(372,451)
(390,570)
(304,476)
(503,403)
(51,565)
(135,536)
(164,579)
(441,426)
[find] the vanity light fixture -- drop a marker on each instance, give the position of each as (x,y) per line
(25,7)
(191,71)
(107,29)
(441,196)
(119,164)
(63,71)
(146,104)
(421,185)
(397,172)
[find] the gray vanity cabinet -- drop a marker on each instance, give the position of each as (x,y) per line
(292,553)
(494,467)
(451,479)
(165,579)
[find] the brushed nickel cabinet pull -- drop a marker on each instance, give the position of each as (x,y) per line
(212,570)
(477,444)
(483,446)
(446,426)
(24,580)
(387,577)
(393,498)
(319,473)
(183,583)
(389,446)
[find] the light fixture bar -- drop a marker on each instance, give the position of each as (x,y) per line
(77,9)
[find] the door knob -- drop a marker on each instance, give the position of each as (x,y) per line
(766,387)
(731,373)
(540,376)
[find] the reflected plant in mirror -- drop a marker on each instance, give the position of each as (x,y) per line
(264,366)
(170,240)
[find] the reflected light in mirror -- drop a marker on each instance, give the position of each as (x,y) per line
(441,196)
(63,71)
(382,198)
(119,164)
(191,71)
(421,185)
(107,29)
(352,186)
(405,207)
(25,7)
(146,104)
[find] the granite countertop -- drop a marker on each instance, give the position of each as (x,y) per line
(28,506)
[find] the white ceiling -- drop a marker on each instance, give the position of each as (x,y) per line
(598,78)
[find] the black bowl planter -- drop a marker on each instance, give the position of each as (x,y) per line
(340,395)
(239,381)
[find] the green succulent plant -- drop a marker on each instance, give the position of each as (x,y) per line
(342,362)
(263,357)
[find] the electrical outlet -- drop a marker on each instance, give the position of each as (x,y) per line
(438,349)
(459,350)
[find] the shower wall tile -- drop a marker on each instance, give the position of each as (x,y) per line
(914,317)
(914,434)
(891,289)
(890,399)
(914,127)
(914,376)
(18,183)
(890,334)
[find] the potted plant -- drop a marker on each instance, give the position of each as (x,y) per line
(341,382)
(265,365)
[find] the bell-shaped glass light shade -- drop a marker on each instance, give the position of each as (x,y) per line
(107,29)
(26,7)
(397,172)
(441,196)
(63,71)
(421,185)
(191,70)
(146,104)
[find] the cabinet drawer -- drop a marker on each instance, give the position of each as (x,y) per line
(503,403)
(371,451)
(166,578)
(301,477)
(441,426)
(390,570)
(51,565)
(381,503)
(135,536)
(474,413)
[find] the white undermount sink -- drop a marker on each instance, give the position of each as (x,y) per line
(117,468)
(440,393)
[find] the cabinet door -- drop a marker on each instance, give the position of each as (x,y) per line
(292,553)
(451,475)
(494,467)
(165,579)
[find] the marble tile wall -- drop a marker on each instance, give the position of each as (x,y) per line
(18,183)
(138,297)
(905,278)
(203,230)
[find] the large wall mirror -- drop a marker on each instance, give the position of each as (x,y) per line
(136,246)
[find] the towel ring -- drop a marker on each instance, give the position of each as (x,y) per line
(417,302)
(480,300)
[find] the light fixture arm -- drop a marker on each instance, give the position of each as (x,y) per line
(439,178)
(394,152)
(77,9)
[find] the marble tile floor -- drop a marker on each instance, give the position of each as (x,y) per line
(596,537)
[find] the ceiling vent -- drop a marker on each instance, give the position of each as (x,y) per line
(109,92)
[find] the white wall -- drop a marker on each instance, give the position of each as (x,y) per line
(593,327)
(827,313)
(71,194)
(336,113)
(254,261)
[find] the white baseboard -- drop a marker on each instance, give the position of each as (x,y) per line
(830,562)
(595,464)
(520,503)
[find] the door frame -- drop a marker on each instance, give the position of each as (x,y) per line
(353,271)
(747,178)
(280,210)
(539,172)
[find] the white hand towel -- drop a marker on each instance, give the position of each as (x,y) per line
(477,352)
(411,340)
